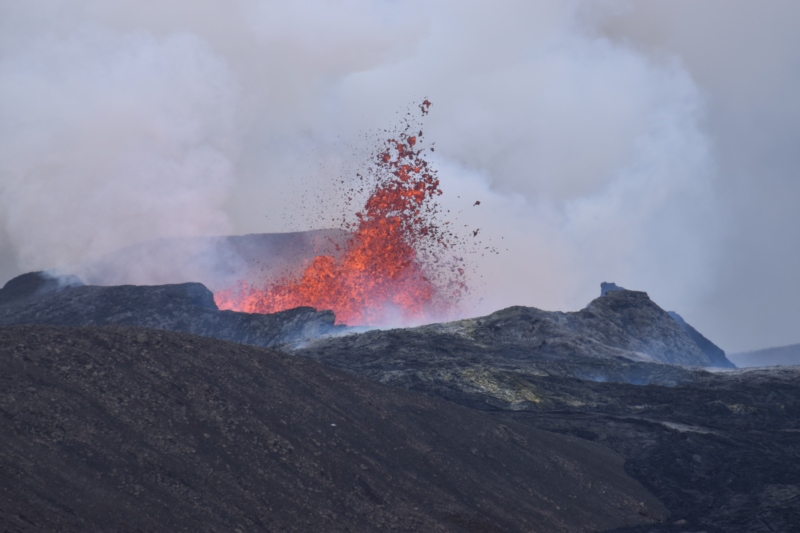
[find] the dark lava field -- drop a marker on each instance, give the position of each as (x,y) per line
(146,409)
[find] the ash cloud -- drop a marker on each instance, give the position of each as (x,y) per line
(605,140)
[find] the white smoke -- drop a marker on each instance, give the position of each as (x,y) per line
(110,138)
(606,140)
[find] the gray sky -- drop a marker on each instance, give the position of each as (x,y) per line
(653,144)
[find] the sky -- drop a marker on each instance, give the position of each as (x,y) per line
(652,144)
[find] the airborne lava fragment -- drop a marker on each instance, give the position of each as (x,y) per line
(399,265)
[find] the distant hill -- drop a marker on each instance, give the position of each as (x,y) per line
(783,355)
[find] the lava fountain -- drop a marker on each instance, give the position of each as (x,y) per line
(398,266)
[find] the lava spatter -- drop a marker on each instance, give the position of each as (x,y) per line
(399,265)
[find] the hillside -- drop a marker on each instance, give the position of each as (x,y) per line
(621,324)
(621,380)
(122,428)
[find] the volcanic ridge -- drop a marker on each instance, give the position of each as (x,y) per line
(147,407)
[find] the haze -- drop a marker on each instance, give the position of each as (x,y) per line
(652,144)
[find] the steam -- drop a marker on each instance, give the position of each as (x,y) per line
(603,139)
(111,138)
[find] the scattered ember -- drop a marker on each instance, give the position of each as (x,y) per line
(399,265)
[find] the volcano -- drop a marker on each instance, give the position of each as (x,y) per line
(248,403)
(400,264)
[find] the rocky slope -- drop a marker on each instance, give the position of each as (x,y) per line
(126,429)
(36,298)
(721,450)
(715,354)
(621,336)
(620,324)
(718,447)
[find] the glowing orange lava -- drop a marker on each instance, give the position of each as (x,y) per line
(397,267)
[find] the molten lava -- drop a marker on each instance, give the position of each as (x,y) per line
(398,265)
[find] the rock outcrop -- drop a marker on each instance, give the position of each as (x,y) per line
(606,287)
(714,354)
(629,320)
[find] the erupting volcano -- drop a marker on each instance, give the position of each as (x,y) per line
(399,265)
